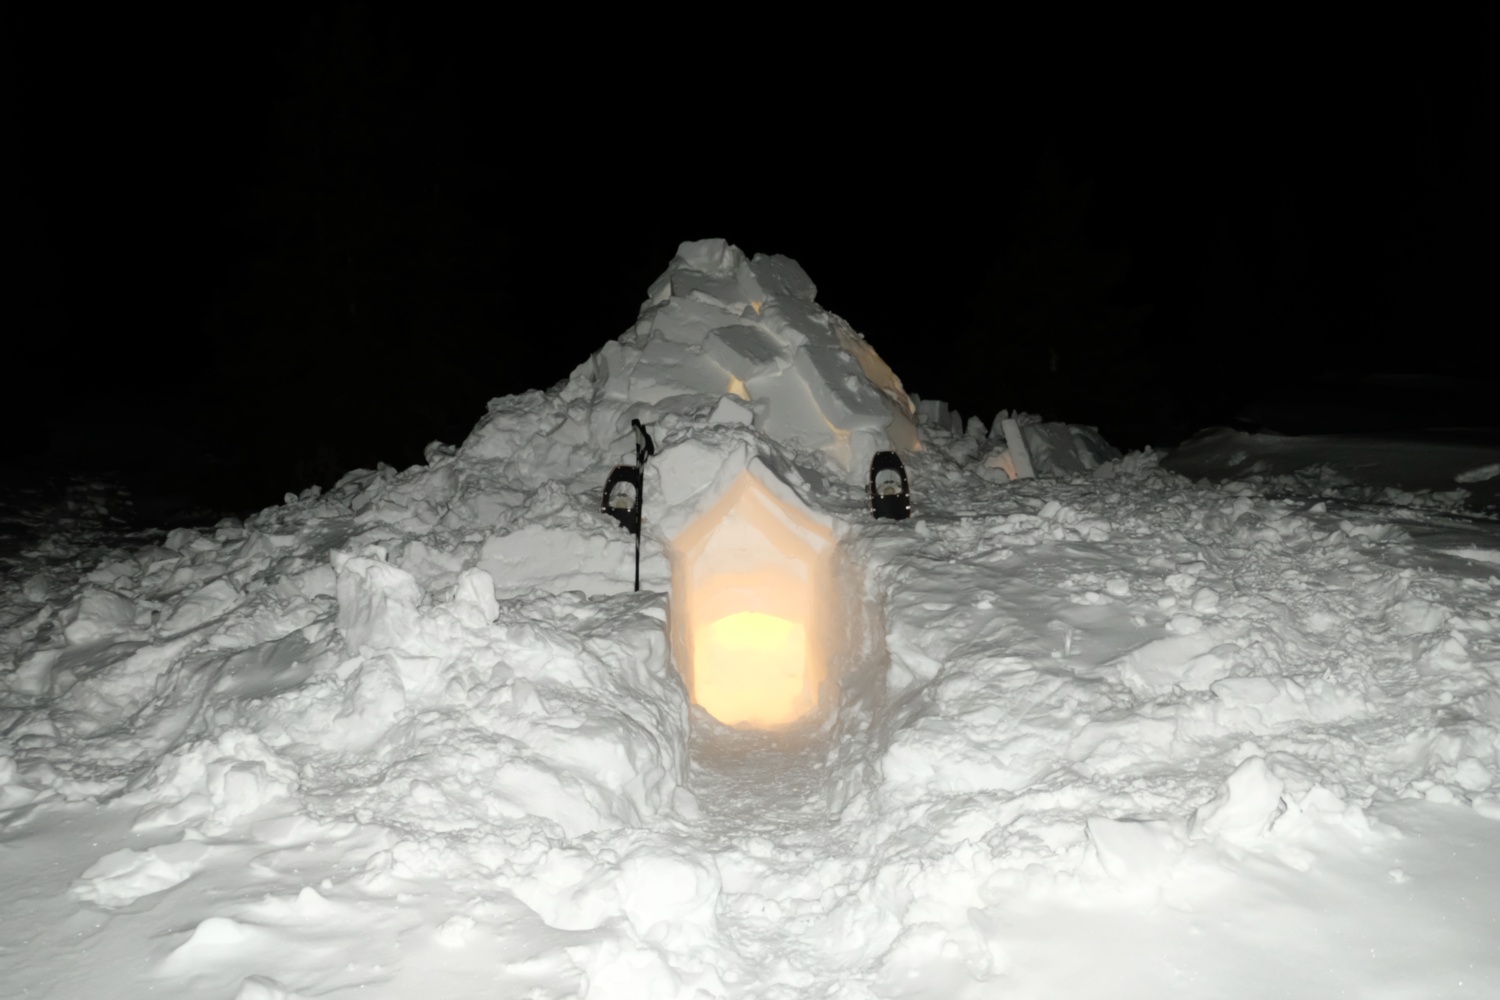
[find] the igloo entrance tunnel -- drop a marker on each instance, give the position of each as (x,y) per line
(752,603)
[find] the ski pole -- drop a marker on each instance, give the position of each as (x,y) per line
(644,449)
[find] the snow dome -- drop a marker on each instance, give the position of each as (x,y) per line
(767,408)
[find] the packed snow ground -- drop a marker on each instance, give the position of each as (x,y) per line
(1135,735)
(1119,734)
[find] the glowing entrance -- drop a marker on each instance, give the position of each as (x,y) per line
(750,668)
(751,608)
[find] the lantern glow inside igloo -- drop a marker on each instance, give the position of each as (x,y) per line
(750,585)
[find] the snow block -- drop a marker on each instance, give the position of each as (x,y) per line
(933,412)
(795,323)
(1186,661)
(120,878)
(476,591)
(839,389)
(745,351)
(557,559)
(723,291)
(1246,805)
(791,416)
(1062,450)
(100,614)
(732,411)
(713,257)
(667,369)
(377,602)
(783,277)
(203,605)
(687,321)
(1020,457)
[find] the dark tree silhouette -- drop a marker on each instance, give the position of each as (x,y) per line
(357,326)
(1048,333)
(34,305)
(1444,240)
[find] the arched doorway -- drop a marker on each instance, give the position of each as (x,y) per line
(751,608)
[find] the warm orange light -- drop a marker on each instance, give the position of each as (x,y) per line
(737,388)
(751,670)
(751,608)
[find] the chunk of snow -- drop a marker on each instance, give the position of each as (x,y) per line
(1245,806)
(98,615)
(120,878)
(377,602)
(1020,455)
(1134,850)
(202,605)
(1478,474)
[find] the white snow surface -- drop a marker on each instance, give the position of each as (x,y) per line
(1115,733)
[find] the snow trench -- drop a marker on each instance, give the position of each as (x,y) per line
(829,743)
(368,716)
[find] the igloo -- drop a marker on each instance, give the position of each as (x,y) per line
(766,409)
(756,391)
(768,412)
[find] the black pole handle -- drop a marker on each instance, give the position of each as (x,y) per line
(644,446)
(644,449)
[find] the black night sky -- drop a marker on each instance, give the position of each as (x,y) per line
(254,248)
